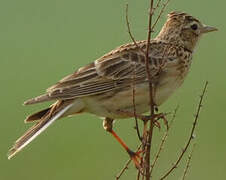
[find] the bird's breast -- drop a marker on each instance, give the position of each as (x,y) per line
(171,78)
(113,104)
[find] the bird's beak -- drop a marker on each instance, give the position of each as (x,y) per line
(207,29)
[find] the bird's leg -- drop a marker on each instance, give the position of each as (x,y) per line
(135,156)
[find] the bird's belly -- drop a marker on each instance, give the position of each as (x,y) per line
(113,104)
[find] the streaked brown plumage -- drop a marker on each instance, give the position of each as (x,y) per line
(104,88)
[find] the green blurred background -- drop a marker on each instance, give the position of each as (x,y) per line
(42,41)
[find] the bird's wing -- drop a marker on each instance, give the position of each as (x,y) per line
(117,69)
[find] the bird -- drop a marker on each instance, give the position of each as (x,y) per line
(104,87)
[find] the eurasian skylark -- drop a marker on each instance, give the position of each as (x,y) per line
(104,87)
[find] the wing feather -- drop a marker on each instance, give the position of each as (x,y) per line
(112,71)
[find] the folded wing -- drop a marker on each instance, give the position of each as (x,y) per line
(117,69)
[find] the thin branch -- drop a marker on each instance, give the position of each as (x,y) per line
(123,169)
(147,58)
(191,134)
(129,31)
(188,163)
(147,131)
(152,111)
(157,5)
(134,105)
(134,73)
(163,141)
(126,166)
(138,175)
(160,14)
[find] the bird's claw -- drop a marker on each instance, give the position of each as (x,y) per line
(163,117)
(136,158)
(156,117)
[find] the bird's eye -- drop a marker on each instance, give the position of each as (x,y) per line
(194,26)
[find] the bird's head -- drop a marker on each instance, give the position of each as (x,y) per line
(183,29)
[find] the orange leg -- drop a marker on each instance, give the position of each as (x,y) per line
(135,156)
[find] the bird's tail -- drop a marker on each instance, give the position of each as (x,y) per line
(55,112)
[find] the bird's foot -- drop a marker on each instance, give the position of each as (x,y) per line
(146,118)
(156,118)
(136,158)
(163,117)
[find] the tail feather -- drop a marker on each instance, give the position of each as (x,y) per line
(37,116)
(38,99)
(37,129)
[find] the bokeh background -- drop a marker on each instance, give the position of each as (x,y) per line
(43,41)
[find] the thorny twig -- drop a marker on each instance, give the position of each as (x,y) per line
(134,75)
(147,133)
(129,30)
(123,169)
(148,138)
(160,14)
(138,175)
(163,141)
(134,105)
(157,5)
(125,166)
(191,134)
(188,163)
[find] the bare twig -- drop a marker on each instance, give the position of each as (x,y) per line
(188,163)
(148,140)
(134,73)
(134,105)
(191,134)
(163,141)
(125,166)
(147,131)
(138,175)
(123,169)
(157,5)
(147,57)
(129,31)
(143,177)
(160,14)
